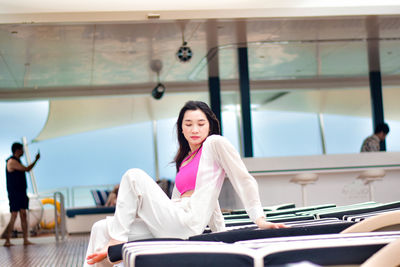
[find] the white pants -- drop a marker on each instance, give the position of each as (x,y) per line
(143,211)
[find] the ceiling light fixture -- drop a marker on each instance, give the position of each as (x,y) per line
(158,91)
(184,53)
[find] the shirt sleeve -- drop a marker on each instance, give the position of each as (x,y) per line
(244,184)
(217,222)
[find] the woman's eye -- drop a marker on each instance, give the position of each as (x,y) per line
(201,125)
(188,125)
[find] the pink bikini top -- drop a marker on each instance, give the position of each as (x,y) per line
(185,179)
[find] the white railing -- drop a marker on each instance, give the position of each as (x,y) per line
(76,196)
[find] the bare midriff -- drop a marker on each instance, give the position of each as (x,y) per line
(187,193)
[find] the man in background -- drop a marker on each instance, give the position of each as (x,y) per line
(372,143)
(16,188)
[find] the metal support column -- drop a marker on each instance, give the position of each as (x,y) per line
(214,88)
(375,78)
(29,162)
(59,226)
(155,143)
(214,85)
(322,132)
(244,84)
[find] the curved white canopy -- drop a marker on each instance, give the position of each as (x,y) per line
(71,116)
(76,115)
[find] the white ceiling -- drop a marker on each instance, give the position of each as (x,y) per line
(53,60)
(29,6)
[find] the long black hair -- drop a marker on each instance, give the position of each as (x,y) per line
(184,147)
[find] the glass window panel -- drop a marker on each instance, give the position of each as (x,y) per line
(343,59)
(288,60)
(346,116)
(278,61)
(392,139)
(230,126)
(347,119)
(274,134)
(345,134)
(389,52)
(390,65)
(94,158)
(228,62)
(231,117)
(391,96)
(167,147)
(285,123)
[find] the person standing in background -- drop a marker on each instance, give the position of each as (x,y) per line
(372,143)
(16,188)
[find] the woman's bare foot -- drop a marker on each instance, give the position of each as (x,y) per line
(27,243)
(8,243)
(96,257)
(100,255)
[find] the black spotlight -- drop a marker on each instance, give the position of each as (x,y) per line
(158,91)
(184,53)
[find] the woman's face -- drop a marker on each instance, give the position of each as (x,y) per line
(195,128)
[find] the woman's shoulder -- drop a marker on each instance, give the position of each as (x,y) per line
(216,139)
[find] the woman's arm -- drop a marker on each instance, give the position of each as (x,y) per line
(244,184)
(217,222)
(263,224)
(14,165)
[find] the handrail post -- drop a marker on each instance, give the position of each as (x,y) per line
(59,228)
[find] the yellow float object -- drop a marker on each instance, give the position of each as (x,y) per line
(52,224)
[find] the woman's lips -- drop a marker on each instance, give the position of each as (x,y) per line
(195,137)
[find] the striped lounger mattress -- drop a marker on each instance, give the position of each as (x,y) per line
(330,249)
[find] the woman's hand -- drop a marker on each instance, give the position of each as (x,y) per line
(96,257)
(263,224)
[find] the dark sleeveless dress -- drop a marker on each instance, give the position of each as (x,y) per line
(16,188)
